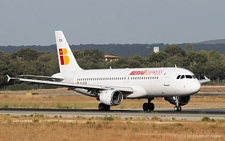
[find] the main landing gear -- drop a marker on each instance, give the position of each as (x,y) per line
(177,107)
(103,107)
(149,106)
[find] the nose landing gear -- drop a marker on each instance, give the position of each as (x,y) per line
(177,107)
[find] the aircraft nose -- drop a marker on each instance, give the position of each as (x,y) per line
(195,87)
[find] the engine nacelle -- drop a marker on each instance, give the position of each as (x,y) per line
(111,97)
(183,100)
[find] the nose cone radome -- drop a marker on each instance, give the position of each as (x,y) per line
(195,87)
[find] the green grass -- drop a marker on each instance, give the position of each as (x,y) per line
(205,118)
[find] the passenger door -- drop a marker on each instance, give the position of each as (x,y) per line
(166,78)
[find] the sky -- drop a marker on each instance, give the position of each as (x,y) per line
(27,22)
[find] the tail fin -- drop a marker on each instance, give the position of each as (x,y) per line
(67,62)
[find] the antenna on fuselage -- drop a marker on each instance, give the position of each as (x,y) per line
(175,66)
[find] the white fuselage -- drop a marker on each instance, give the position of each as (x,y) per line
(145,82)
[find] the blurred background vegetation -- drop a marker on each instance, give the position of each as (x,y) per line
(28,61)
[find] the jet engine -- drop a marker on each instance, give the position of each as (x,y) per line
(111,97)
(183,100)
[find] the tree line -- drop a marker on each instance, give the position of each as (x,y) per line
(123,50)
(29,61)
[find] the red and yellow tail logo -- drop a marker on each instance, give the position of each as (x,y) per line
(64,59)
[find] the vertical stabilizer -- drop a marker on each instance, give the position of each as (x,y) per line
(67,61)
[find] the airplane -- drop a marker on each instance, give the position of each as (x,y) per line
(112,86)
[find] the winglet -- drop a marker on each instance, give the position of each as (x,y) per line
(9,78)
(204,80)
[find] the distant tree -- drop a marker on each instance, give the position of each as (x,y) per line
(199,70)
(191,57)
(176,60)
(189,48)
(174,51)
(137,61)
(77,54)
(121,63)
(26,54)
(134,63)
(158,57)
(213,55)
(216,70)
(6,67)
(200,57)
(89,59)
(47,64)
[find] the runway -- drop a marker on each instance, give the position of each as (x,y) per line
(166,114)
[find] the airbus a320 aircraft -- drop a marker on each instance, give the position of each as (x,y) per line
(112,86)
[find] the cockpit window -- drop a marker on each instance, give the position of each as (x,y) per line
(188,76)
(194,76)
(182,77)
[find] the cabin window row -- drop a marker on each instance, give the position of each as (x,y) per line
(117,78)
(98,79)
(143,78)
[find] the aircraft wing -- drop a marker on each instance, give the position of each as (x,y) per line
(47,77)
(204,80)
(73,85)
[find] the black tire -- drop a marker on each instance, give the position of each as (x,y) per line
(107,107)
(103,107)
(145,106)
(151,106)
(177,108)
(180,108)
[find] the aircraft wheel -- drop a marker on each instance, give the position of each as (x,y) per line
(103,107)
(107,107)
(148,106)
(180,109)
(177,108)
(145,107)
(151,106)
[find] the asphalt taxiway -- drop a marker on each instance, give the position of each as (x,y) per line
(163,113)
